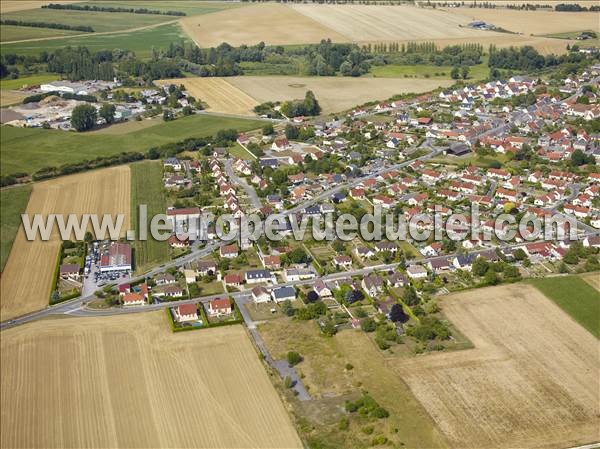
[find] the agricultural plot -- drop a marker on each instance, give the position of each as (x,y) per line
(127,381)
(530,22)
(147,189)
(364,23)
(17,33)
(576,297)
(27,276)
(220,95)
(333,93)
(29,149)
(530,381)
(21,5)
(13,202)
(273,24)
(138,40)
(593,279)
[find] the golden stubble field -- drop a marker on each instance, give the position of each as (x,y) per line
(220,95)
(127,381)
(333,93)
(531,381)
(309,23)
(27,276)
(20,5)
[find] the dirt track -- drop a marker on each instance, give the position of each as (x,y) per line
(531,381)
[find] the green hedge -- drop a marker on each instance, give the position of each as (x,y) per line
(56,274)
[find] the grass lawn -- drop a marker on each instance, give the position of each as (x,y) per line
(471,159)
(140,42)
(236,150)
(26,81)
(13,202)
(480,71)
(147,188)
(17,33)
(210,288)
(29,149)
(576,297)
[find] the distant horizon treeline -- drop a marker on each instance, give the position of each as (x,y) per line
(76,7)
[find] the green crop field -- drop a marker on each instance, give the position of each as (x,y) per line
(147,188)
(140,42)
(191,8)
(17,33)
(13,202)
(576,297)
(28,150)
(480,71)
(39,78)
(99,21)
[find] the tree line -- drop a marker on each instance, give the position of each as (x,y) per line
(56,26)
(76,7)
(527,58)
(575,7)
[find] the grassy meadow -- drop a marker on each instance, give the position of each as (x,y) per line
(576,297)
(26,81)
(17,33)
(29,149)
(147,188)
(480,71)
(13,202)
(140,42)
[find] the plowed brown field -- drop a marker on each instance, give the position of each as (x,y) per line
(27,277)
(127,381)
(531,381)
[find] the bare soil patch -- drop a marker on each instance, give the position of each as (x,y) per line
(531,381)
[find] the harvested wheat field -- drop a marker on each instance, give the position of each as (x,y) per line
(273,24)
(220,95)
(10,97)
(376,22)
(27,276)
(531,381)
(530,22)
(333,93)
(127,381)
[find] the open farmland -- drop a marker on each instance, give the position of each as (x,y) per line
(529,22)
(576,297)
(27,276)
(531,381)
(13,202)
(273,24)
(21,5)
(127,381)
(593,279)
(333,93)
(29,149)
(363,23)
(220,95)
(147,189)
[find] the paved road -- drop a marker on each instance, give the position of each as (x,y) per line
(241,182)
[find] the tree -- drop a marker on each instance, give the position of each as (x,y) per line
(293,358)
(410,296)
(187,110)
(464,71)
(287,308)
(288,382)
(311,105)
(168,116)
(368,324)
(291,132)
(84,117)
(480,267)
(329,328)
(107,112)
(490,277)
(455,73)
(268,129)
(397,314)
